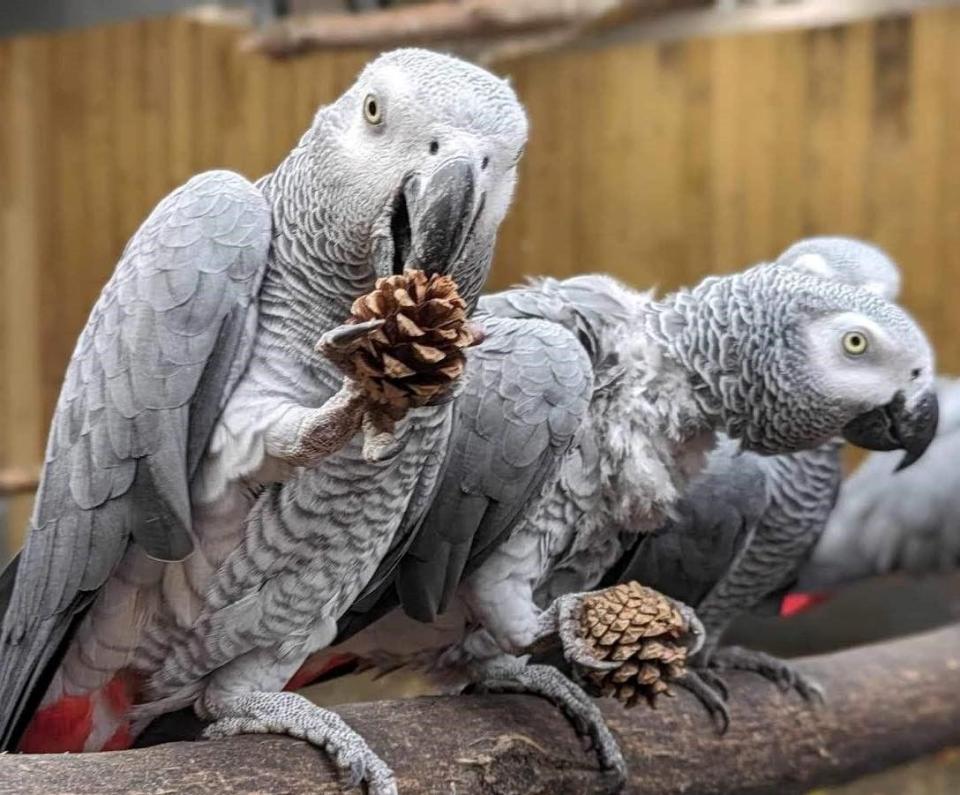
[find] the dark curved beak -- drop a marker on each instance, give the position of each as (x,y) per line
(897,427)
(443,210)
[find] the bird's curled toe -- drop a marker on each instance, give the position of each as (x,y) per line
(782,673)
(289,714)
(511,675)
(710,690)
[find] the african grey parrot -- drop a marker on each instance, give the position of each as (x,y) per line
(588,409)
(889,521)
(193,539)
(747,523)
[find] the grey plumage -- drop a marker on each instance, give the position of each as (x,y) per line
(747,523)
(749,354)
(887,521)
(179,535)
(124,443)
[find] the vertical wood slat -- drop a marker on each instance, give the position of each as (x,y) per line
(659,162)
(25,209)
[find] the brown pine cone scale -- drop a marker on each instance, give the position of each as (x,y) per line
(418,353)
(641,629)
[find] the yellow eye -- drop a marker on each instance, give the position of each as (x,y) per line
(855,342)
(371,109)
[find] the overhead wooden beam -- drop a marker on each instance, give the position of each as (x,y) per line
(466,23)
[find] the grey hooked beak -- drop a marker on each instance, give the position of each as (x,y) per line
(443,209)
(897,427)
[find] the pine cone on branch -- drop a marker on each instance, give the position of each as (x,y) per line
(642,630)
(417,355)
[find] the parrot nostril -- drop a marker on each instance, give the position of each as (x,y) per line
(484,163)
(434,147)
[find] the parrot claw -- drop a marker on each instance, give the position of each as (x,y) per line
(338,344)
(293,715)
(711,691)
(514,675)
(782,673)
(378,444)
(696,633)
(565,611)
(347,336)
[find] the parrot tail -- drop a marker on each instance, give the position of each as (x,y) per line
(794,603)
(95,721)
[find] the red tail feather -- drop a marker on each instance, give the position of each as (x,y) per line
(66,724)
(794,603)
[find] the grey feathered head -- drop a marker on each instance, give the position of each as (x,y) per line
(414,166)
(789,360)
(846,260)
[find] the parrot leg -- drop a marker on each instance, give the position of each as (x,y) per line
(507,674)
(780,672)
(293,715)
(304,436)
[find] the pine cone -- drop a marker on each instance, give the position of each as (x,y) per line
(418,352)
(641,629)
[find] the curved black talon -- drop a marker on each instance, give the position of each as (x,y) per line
(781,672)
(703,685)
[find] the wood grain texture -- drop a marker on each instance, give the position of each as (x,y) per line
(887,704)
(658,162)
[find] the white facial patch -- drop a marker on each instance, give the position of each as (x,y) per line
(869,379)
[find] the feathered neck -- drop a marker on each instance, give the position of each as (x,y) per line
(320,256)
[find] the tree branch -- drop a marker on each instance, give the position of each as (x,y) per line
(887,704)
(450,23)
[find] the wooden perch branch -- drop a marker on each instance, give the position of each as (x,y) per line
(450,23)
(887,704)
(16,480)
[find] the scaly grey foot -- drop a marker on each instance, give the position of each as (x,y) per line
(782,673)
(293,715)
(562,619)
(514,675)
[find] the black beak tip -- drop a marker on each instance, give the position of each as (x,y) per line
(920,429)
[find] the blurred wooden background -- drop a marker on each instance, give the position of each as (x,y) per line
(657,162)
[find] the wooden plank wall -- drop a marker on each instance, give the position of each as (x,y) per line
(657,162)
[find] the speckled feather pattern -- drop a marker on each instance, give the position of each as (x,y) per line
(724,356)
(201,345)
(886,521)
(802,489)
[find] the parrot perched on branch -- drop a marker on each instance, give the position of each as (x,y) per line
(198,531)
(587,411)
(747,523)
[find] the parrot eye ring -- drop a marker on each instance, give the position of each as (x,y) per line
(855,343)
(371,109)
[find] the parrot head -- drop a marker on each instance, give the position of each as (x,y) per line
(417,163)
(846,260)
(824,358)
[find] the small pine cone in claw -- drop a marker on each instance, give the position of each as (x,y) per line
(642,630)
(418,352)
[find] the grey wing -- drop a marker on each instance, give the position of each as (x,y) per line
(161,351)
(712,524)
(887,521)
(528,390)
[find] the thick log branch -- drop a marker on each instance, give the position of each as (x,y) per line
(449,23)
(887,704)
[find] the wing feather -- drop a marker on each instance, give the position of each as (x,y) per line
(165,340)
